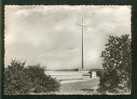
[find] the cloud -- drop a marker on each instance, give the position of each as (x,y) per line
(51,35)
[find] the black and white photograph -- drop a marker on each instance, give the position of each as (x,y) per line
(67,50)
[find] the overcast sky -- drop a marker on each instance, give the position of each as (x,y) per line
(51,35)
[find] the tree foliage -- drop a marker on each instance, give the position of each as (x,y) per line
(116,64)
(24,80)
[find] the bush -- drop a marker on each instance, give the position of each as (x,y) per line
(117,65)
(15,80)
(24,80)
(41,82)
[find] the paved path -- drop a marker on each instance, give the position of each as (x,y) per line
(79,87)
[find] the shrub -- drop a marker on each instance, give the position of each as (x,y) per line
(15,80)
(41,82)
(24,80)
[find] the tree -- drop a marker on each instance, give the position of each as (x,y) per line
(116,64)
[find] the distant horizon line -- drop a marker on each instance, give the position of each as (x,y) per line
(73,69)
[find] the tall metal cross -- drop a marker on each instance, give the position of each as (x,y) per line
(82,26)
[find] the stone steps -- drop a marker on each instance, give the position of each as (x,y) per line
(69,76)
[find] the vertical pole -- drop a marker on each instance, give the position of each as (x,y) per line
(82,46)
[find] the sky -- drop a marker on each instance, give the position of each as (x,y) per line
(51,35)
